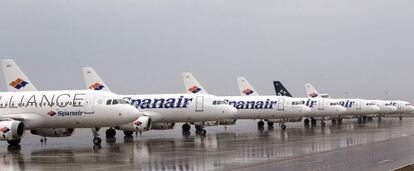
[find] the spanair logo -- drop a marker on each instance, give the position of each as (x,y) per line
(248,92)
(313,95)
(194,89)
(4,130)
(18,83)
(96,86)
(51,113)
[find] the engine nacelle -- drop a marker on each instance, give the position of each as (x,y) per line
(227,122)
(162,126)
(11,130)
(53,132)
(143,123)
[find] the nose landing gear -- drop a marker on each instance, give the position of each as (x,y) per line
(96,140)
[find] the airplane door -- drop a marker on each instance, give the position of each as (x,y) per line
(358,105)
(199,104)
(281,104)
(321,105)
(89,102)
(399,105)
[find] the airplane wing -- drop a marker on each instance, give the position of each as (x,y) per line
(30,120)
(14,77)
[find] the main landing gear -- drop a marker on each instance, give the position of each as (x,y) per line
(128,133)
(186,127)
(14,142)
(200,130)
(260,124)
(110,133)
(306,122)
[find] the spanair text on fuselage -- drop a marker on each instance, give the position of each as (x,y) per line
(322,107)
(63,109)
(180,107)
(358,106)
(265,107)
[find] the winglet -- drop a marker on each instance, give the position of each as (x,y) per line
(15,78)
(192,86)
(245,88)
(93,81)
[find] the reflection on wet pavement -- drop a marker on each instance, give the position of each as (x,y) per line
(238,146)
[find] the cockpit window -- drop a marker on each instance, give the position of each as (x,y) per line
(114,102)
(109,102)
(334,104)
(408,104)
(297,103)
(219,102)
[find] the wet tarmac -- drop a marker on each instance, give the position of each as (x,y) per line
(384,145)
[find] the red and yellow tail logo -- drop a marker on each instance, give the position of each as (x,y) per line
(18,83)
(96,86)
(194,89)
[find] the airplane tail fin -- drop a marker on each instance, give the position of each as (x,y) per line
(15,78)
(93,81)
(246,89)
(311,91)
(280,89)
(192,85)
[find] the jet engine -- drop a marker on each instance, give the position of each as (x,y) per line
(53,132)
(11,130)
(143,123)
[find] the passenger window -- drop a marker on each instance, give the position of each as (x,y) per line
(108,102)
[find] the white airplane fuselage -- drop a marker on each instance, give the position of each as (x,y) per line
(181,107)
(322,107)
(266,107)
(358,106)
(65,109)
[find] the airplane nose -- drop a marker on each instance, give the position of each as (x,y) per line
(375,109)
(229,110)
(305,109)
(411,109)
(390,109)
(131,113)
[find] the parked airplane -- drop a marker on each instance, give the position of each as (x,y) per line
(280,109)
(42,112)
(164,110)
(388,107)
(355,107)
(321,109)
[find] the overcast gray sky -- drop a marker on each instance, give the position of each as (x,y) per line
(364,47)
